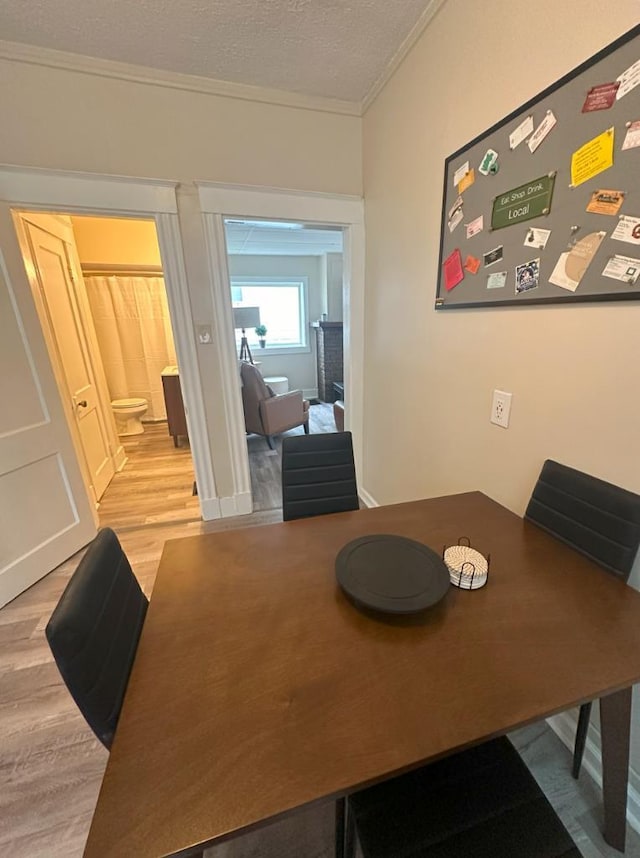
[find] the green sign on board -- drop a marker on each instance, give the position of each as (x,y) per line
(523,203)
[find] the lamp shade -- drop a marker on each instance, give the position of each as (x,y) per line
(246,317)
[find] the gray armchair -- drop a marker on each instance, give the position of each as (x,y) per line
(266,413)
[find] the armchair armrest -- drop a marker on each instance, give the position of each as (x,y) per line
(282,412)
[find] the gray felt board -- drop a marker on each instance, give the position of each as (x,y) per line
(520,166)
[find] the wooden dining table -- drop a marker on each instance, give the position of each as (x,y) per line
(260,689)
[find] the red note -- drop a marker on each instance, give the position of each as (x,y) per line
(453,272)
(601,97)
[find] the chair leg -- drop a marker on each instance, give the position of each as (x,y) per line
(581,738)
(306,427)
(270,442)
(341,809)
(350,835)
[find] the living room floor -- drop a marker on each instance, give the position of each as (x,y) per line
(265,464)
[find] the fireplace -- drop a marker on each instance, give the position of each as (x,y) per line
(329,358)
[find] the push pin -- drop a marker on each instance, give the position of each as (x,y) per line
(493,169)
(574,229)
(530,236)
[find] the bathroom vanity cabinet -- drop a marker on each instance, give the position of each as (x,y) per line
(173,403)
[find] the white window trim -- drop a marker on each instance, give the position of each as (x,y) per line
(300,280)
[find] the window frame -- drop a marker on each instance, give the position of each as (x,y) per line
(300,280)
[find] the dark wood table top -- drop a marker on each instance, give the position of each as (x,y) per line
(258,688)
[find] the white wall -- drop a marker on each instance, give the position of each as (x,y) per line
(75,121)
(72,120)
(574,370)
(335,290)
(300,369)
(116,241)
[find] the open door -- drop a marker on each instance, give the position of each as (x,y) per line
(45,511)
(50,257)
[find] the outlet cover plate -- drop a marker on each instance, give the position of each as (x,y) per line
(501,408)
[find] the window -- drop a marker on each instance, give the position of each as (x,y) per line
(283,311)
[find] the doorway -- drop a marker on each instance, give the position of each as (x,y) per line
(99,289)
(287,297)
(220,202)
(43,500)
(47,513)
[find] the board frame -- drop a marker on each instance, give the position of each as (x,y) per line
(624,293)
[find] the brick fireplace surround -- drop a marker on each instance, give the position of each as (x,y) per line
(329,358)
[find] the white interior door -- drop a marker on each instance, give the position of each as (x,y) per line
(45,512)
(48,250)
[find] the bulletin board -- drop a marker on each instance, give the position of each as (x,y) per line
(544,207)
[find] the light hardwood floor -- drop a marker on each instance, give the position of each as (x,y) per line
(50,764)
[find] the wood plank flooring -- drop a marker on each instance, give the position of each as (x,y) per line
(264,464)
(155,485)
(50,764)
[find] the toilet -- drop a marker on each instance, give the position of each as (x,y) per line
(128,414)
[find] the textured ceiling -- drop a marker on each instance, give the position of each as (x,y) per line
(256,238)
(333,48)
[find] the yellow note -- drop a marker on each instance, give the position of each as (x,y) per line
(592,158)
(467,180)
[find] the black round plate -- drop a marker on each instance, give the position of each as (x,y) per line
(392,573)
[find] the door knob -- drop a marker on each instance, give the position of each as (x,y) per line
(82,403)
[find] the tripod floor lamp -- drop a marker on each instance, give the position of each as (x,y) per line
(245,317)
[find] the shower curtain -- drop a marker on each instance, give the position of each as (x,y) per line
(131,318)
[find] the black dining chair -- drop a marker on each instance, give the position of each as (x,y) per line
(479,803)
(597,519)
(318,475)
(94,631)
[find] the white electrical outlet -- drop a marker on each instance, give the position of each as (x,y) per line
(501,408)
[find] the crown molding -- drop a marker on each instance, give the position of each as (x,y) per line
(33,55)
(396,60)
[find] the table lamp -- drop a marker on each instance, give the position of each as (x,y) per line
(245,317)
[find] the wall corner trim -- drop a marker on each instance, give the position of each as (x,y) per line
(367,499)
(396,60)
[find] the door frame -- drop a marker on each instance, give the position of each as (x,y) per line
(218,201)
(86,193)
(90,345)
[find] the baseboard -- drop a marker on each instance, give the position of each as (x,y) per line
(120,459)
(210,508)
(310,392)
(240,504)
(367,499)
(564,726)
